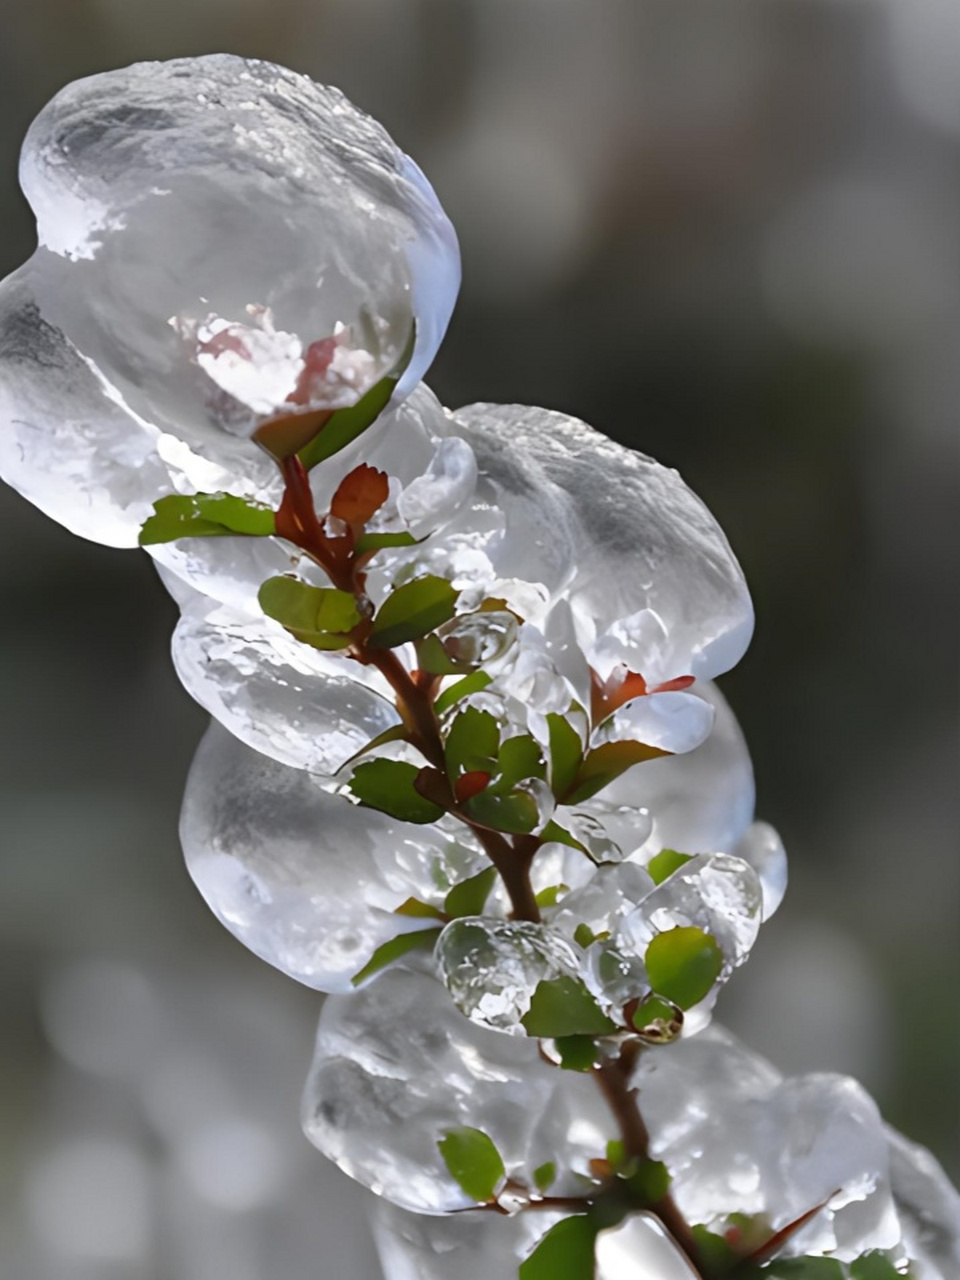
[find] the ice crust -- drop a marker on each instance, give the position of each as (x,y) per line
(396,1066)
(203,221)
(646,551)
(305,880)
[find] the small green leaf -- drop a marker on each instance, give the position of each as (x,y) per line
(520,758)
(616,1153)
(388,785)
(683,964)
(584,936)
(345,425)
(206,515)
(368,542)
(413,610)
(319,616)
(649,1182)
(550,896)
(422,939)
(473,741)
(577,1053)
(419,910)
(554,833)
(433,657)
(804,1269)
(657,1021)
(397,733)
(544,1176)
(874,1266)
(516,813)
(714,1250)
(468,897)
(605,763)
(564,1007)
(665,863)
(566,754)
(469,684)
(566,1252)
(473,1162)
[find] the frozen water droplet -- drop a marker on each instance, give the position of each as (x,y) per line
(638,1249)
(478,638)
(492,967)
(432,500)
(604,901)
(674,722)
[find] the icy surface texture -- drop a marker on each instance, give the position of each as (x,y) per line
(739,1138)
(492,967)
(298,705)
(397,1066)
(226,240)
(640,556)
(304,879)
(762,847)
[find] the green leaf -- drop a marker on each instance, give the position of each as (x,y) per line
(544,1176)
(474,1162)
(519,758)
(714,1250)
(422,939)
(566,1252)
(516,813)
(566,754)
(605,763)
(397,733)
(564,1007)
(577,1053)
(616,1153)
(472,743)
(319,616)
(665,863)
(804,1269)
(584,936)
(554,833)
(206,515)
(469,684)
(419,910)
(549,896)
(368,542)
(874,1266)
(433,657)
(467,897)
(683,964)
(344,425)
(413,610)
(649,1182)
(388,785)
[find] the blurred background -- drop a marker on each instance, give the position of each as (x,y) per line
(726,234)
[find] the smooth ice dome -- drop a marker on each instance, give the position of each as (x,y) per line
(224,240)
(648,571)
(306,880)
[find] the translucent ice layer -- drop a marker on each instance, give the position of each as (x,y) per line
(649,561)
(226,240)
(303,878)
(493,967)
(397,1066)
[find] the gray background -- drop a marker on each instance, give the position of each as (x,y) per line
(725,233)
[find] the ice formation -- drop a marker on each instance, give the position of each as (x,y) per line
(467,770)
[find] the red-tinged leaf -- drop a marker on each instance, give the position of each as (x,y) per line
(470,784)
(605,763)
(607,695)
(674,686)
(360,495)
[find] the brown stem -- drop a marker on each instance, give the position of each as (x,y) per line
(297,521)
(613,1079)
